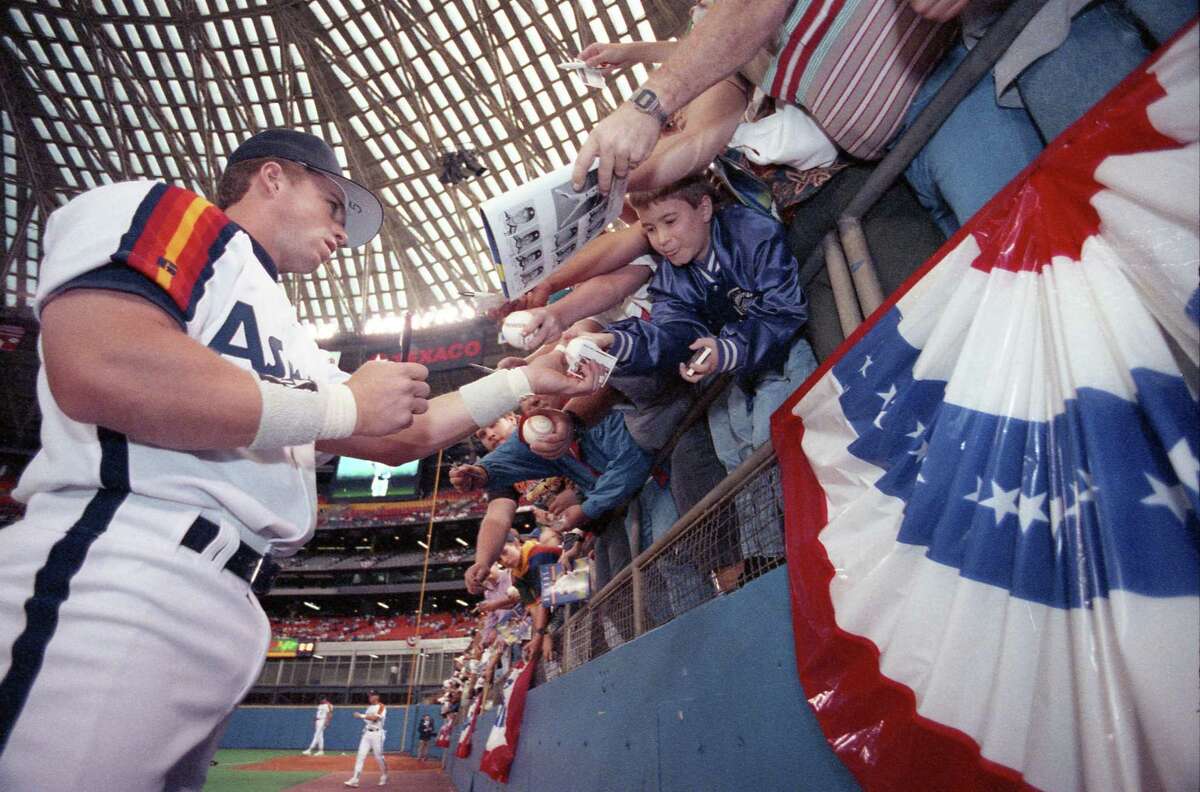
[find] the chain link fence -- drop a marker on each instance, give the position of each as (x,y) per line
(731,537)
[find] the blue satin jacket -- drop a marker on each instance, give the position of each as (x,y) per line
(744,293)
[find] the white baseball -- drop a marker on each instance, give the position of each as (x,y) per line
(513,329)
(537,427)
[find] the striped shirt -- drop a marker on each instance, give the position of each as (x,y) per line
(855,66)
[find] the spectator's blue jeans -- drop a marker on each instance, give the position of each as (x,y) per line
(740,423)
(982,146)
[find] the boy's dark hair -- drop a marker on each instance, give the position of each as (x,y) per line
(235,181)
(690,189)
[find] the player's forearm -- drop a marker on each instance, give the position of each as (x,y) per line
(445,423)
(117,361)
(725,38)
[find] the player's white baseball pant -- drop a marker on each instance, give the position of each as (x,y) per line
(371,742)
(318,740)
(122,654)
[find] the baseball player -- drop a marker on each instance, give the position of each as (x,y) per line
(379,484)
(324,716)
(183,405)
(372,738)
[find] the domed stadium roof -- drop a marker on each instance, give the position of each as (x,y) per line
(109,90)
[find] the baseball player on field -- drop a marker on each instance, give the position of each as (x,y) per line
(372,739)
(324,716)
(183,406)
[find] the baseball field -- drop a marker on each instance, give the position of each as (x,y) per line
(275,771)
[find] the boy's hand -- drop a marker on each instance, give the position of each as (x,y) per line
(696,371)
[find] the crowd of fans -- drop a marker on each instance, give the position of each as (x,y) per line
(401,627)
(701,282)
(450,506)
(323,562)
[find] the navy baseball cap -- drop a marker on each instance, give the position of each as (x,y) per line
(364,212)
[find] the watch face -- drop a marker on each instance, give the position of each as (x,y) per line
(645,99)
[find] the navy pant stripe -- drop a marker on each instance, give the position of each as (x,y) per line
(52,584)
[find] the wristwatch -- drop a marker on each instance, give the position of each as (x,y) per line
(543,630)
(647,102)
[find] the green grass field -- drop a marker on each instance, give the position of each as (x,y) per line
(227,777)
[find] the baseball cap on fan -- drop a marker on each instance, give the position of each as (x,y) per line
(364,212)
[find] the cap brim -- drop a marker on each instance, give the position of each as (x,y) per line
(364,212)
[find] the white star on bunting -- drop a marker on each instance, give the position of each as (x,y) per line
(1003,502)
(1030,510)
(1187,468)
(1172,497)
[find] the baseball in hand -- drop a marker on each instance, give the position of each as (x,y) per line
(536,427)
(513,329)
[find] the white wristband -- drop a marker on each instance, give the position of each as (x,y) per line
(298,416)
(497,394)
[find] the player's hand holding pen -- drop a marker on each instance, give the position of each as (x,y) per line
(388,395)
(548,376)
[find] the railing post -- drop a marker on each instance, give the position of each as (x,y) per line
(639,625)
(862,266)
(849,314)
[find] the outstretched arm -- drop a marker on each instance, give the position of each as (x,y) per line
(726,37)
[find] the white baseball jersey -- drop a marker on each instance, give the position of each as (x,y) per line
(375,709)
(179,251)
(322,711)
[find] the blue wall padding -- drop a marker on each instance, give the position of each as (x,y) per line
(709,702)
(292,727)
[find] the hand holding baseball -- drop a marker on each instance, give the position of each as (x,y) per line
(388,395)
(542,328)
(552,441)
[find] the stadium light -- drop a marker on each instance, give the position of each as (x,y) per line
(308,604)
(422,544)
(318,657)
(372,656)
(383,605)
(460,602)
(459,539)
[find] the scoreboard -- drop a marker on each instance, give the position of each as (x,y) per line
(291,647)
